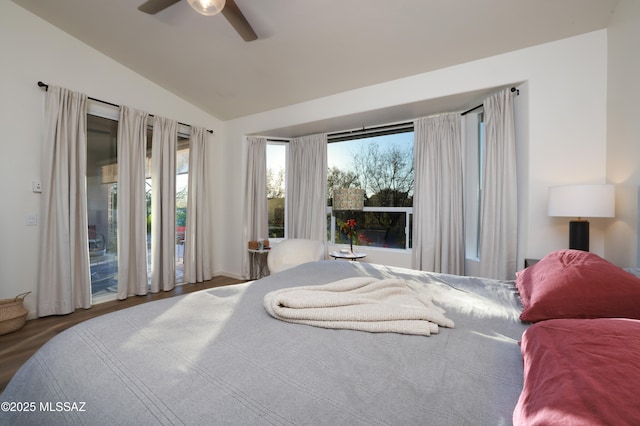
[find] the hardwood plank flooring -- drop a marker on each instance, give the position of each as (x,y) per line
(17,347)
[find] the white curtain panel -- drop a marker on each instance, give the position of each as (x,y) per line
(438,221)
(255,203)
(198,244)
(498,210)
(307,183)
(163,204)
(132,205)
(64,278)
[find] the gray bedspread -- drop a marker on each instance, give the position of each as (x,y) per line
(217,357)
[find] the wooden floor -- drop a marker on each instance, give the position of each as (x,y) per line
(17,347)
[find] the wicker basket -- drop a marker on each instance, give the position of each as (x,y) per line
(13,314)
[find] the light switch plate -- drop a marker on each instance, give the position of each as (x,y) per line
(32,219)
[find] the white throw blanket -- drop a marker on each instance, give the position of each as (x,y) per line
(359,303)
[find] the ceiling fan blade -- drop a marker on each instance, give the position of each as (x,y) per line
(154,6)
(238,21)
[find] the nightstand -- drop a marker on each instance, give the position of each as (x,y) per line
(259,260)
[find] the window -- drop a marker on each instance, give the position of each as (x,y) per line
(474,130)
(380,161)
(182,191)
(276,188)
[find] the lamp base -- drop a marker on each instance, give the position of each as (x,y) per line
(579,235)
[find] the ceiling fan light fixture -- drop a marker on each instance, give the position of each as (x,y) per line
(207,7)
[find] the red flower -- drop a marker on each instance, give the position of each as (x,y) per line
(349,227)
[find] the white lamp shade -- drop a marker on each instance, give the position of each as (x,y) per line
(348,199)
(582,201)
(207,7)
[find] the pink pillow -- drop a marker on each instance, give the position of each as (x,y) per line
(580,372)
(577,284)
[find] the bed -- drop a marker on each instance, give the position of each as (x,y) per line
(218,357)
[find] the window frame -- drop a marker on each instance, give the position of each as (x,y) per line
(383,130)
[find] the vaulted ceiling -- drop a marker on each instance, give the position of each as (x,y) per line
(308,49)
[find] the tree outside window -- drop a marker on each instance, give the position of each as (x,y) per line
(383,167)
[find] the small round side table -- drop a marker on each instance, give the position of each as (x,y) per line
(347,255)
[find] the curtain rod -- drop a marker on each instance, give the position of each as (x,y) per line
(373,131)
(46,88)
(513,89)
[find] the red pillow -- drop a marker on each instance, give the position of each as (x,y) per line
(577,284)
(580,372)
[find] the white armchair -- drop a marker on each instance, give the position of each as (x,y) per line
(293,252)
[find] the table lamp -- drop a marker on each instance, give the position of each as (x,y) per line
(581,201)
(348,199)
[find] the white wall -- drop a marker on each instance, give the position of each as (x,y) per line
(561,115)
(623,131)
(33,50)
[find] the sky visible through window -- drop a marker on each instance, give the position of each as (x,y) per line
(341,154)
(276,157)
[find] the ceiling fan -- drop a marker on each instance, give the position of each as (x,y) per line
(229,9)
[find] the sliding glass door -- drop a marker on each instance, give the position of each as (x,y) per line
(182,178)
(102,204)
(182,191)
